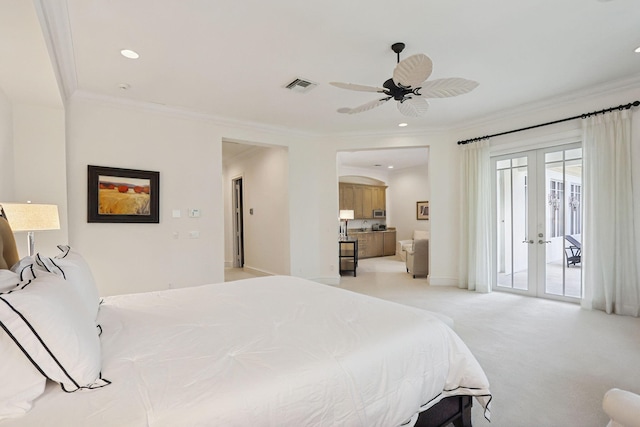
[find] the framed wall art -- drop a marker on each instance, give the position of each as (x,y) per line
(122,195)
(422,210)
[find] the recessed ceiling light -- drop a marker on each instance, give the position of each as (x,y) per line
(637,50)
(402,124)
(389,167)
(127,53)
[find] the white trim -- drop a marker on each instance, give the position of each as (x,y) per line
(258,271)
(443,281)
(534,143)
(54,20)
(327,280)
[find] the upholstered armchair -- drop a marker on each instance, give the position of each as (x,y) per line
(404,245)
(418,258)
(623,407)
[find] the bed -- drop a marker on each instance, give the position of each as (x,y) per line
(271,351)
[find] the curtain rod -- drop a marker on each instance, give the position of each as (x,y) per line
(581,116)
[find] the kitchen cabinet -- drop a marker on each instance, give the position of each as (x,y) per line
(362,199)
(389,243)
(375,243)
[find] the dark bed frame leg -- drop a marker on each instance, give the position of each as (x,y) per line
(456,410)
(465,417)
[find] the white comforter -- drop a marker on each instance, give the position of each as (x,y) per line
(273,351)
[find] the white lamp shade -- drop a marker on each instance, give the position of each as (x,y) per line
(31,216)
(346,214)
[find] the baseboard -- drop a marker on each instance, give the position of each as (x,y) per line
(258,272)
(327,280)
(228,264)
(443,281)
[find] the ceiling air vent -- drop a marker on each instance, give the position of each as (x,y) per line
(301,85)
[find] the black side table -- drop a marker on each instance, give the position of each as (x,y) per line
(348,255)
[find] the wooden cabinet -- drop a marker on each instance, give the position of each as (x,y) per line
(347,197)
(375,243)
(389,243)
(362,199)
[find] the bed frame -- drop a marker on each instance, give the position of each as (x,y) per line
(456,410)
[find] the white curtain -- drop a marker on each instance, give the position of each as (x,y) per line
(609,244)
(475,246)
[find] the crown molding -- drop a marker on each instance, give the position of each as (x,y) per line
(592,92)
(190,114)
(54,20)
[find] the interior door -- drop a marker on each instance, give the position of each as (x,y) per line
(538,222)
(238,225)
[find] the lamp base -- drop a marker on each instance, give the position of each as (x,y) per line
(31,242)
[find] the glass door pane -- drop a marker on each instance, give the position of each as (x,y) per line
(563,223)
(511,204)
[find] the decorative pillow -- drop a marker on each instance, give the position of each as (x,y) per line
(71,266)
(21,381)
(47,319)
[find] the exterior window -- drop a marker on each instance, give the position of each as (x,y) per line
(556,196)
(575,198)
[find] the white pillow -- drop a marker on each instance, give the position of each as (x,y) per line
(50,324)
(21,381)
(71,266)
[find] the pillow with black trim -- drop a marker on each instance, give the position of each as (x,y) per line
(24,263)
(21,382)
(71,266)
(47,320)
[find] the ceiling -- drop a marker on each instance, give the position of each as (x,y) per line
(381,160)
(230,59)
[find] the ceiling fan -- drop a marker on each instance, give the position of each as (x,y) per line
(408,86)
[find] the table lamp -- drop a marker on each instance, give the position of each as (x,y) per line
(346,215)
(31,217)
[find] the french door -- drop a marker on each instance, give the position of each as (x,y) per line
(537,219)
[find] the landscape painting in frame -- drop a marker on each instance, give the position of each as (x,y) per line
(422,210)
(123,195)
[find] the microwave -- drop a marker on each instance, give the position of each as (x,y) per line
(379,213)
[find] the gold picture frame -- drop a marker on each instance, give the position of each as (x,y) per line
(422,210)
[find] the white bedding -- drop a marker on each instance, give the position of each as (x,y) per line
(272,351)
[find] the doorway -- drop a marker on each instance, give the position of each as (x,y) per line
(537,211)
(238,224)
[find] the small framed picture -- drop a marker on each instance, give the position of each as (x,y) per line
(123,195)
(422,210)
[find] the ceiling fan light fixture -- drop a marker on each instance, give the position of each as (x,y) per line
(409,86)
(128,53)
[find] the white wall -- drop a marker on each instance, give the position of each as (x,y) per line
(40,169)
(408,186)
(32,165)
(6,149)
(265,175)
(141,257)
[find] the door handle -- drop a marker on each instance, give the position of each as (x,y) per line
(543,241)
(528,241)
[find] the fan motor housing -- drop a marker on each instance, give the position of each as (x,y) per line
(398,93)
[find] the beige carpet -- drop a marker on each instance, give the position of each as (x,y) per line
(549,363)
